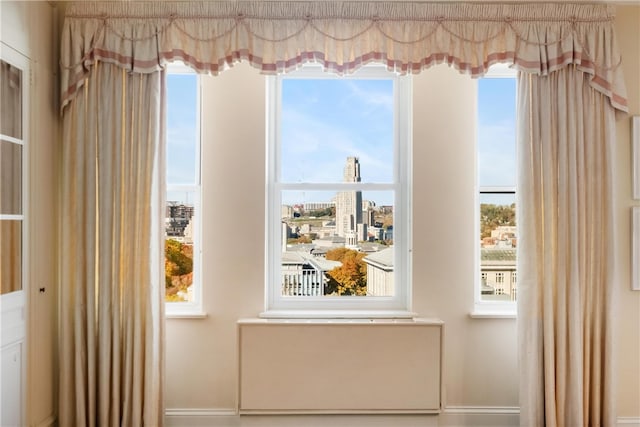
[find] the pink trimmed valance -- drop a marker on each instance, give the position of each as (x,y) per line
(278,36)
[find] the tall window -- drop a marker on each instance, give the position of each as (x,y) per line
(182,219)
(338,218)
(496,148)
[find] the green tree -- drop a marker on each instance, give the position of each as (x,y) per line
(319,213)
(493,216)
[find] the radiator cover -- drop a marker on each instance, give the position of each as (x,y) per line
(339,366)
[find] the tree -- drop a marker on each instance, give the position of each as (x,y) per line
(319,213)
(301,239)
(351,277)
(493,216)
(178,260)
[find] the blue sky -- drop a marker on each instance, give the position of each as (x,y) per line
(326,120)
(496,132)
(181,128)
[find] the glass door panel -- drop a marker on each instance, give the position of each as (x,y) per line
(10,100)
(10,256)
(10,178)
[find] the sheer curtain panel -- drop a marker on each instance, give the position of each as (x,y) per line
(111,305)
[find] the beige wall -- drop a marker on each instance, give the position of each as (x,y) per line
(201,354)
(477,352)
(480,356)
(40,45)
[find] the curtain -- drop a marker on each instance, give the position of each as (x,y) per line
(565,259)
(111,270)
(279,36)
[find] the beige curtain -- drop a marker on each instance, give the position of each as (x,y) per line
(565,258)
(279,36)
(111,306)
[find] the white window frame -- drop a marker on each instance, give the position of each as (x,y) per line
(191,309)
(397,306)
(483,308)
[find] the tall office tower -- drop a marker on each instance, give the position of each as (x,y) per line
(349,203)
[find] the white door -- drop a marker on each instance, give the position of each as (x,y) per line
(14,83)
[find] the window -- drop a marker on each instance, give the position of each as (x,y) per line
(496,163)
(338,225)
(183,291)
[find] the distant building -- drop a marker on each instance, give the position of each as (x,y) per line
(375,233)
(351,240)
(361,232)
(349,203)
(330,242)
(388,233)
(380,273)
(286,212)
(305,275)
(498,274)
(369,217)
(177,219)
(316,206)
(503,236)
(368,205)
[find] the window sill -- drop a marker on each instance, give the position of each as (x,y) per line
(186,315)
(337,314)
(342,321)
(493,315)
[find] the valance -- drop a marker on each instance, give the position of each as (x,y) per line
(279,36)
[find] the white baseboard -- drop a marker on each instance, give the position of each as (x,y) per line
(494,416)
(628,421)
(497,410)
(459,416)
(229,418)
(195,417)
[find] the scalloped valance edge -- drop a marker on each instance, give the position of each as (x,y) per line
(210,37)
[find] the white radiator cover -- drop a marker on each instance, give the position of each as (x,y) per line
(339,366)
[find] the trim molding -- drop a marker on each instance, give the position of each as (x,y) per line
(494,410)
(212,417)
(466,415)
(629,421)
(200,412)
(496,416)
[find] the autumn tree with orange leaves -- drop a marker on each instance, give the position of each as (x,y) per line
(351,277)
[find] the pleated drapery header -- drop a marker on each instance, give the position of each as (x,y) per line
(280,36)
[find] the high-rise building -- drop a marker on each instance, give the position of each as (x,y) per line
(349,203)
